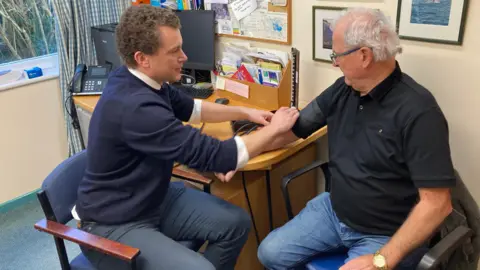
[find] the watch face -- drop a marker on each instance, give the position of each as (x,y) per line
(379,261)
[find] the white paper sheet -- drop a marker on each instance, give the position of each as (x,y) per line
(243,8)
(224,27)
(276,25)
(262,4)
(216,1)
(252,25)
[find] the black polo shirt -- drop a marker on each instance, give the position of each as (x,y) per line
(383,147)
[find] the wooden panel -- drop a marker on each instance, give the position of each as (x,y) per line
(273,8)
(233,192)
(301,190)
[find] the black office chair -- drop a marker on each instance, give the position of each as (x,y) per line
(438,251)
(57,197)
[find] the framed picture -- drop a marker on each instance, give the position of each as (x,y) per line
(322,31)
(438,21)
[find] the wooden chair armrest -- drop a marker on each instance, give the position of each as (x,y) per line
(189,175)
(88,240)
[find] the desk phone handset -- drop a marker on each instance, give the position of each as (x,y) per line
(91,80)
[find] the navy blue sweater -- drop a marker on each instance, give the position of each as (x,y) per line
(135,136)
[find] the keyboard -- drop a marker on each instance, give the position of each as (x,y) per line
(199,93)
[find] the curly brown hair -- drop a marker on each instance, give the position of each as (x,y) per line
(138,30)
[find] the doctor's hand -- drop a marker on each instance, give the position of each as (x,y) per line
(284,119)
(258,116)
(225,178)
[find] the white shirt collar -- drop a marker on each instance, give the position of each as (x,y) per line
(149,81)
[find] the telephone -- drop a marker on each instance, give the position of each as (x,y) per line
(91,80)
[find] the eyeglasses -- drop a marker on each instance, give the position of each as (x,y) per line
(334,55)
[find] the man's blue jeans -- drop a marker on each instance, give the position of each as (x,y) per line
(316,230)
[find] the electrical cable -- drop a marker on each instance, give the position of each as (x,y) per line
(70,108)
(240,131)
(201,77)
(250,208)
(252,127)
(250,130)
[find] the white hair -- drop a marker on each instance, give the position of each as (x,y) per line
(370,28)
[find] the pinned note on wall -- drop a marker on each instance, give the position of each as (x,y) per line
(216,1)
(243,8)
(261,20)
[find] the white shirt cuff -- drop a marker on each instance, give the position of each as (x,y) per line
(242,153)
(196,117)
(74,213)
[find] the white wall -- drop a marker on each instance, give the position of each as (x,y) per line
(32,136)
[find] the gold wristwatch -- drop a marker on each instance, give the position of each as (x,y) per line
(379,261)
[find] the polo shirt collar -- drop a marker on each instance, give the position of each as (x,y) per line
(379,91)
(144,78)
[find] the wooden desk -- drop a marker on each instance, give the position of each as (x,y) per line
(261,177)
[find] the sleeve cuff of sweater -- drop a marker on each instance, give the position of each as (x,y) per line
(196,117)
(242,153)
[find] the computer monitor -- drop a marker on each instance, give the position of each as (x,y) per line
(198,33)
(105,45)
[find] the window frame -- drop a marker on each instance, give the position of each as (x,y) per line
(48,63)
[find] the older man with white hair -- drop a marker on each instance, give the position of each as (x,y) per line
(389,159)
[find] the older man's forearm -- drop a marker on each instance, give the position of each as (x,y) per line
(422,223)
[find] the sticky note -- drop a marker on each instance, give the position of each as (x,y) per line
(243,8)
(220,84)
(237,88)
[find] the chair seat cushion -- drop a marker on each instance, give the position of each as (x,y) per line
(327,262)
(81,263)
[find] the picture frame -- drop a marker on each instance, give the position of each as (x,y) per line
(322,16)
(435,21)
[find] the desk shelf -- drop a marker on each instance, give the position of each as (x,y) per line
(265,97)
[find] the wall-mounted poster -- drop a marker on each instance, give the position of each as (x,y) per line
(439,21)
(323,18)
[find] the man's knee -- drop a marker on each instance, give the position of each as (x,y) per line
(269,251)
(239,221)
(180,260)
(201,264)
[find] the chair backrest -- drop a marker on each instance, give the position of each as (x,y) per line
(327,175)
(59,189)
